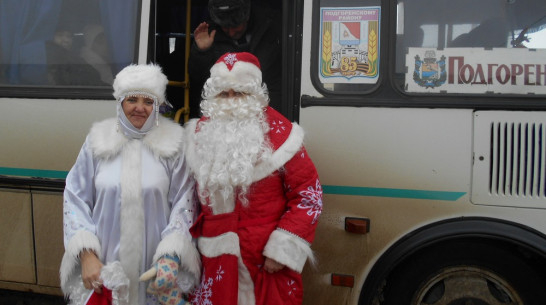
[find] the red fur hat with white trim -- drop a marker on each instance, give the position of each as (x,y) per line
(237,71)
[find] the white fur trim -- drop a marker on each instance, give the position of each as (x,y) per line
(282,155)
(288,249)
(241,72)
(132,215)
(71,280)
(104,139)
(165,140)
(190,261)
(228,243)
(82,240)
(189,135)
(147,78)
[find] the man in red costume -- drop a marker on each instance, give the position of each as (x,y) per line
(259,191)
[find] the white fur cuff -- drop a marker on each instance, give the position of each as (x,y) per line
(82,240)
(227,243)
(288,249)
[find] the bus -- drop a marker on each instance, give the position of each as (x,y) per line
(426,121)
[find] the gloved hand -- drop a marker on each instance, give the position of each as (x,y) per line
(164,285)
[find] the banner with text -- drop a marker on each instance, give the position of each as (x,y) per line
(476,70)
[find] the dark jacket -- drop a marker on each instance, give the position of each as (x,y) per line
(265,43)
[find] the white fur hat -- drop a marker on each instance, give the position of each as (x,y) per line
(238,70)
(141,78)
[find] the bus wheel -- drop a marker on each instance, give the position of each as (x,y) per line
(479,286)
(466,273)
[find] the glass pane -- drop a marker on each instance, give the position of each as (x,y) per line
(348,47)
(65,42)
(472,47)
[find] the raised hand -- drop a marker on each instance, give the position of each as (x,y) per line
(203,39)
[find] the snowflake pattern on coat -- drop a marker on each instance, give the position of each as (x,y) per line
(312,200)
(277,126)
(203,294)
(219,274)
(292,288)
(72,223)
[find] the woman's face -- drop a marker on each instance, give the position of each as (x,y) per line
(137,109)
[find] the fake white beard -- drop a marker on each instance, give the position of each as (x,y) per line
(229,145)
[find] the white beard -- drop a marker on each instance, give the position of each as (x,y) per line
(228,147)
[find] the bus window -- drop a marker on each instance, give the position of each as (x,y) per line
(470,47)
(348,47)
(60,43)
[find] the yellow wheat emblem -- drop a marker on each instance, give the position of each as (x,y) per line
(326,61)
(372,48)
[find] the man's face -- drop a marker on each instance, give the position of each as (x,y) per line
(235,32)
(230,94)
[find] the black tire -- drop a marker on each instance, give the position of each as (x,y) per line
(467,272)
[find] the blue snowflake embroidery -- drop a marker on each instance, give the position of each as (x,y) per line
(312,200)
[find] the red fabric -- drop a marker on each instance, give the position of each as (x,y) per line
(105,298)
(283,287)
(289,199)
(235,57)
(280,127)
(219,281)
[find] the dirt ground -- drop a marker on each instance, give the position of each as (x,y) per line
(8,297)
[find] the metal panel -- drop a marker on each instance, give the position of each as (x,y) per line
(48,236)
(16,246)
(509,159)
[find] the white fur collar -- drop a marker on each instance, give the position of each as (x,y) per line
(165,140)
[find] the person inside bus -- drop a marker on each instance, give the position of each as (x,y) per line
(64,64)
(259,191)
(237,26)
(96,52)
(129,202)
(492,33)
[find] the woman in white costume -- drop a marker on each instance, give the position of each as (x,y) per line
(129,202)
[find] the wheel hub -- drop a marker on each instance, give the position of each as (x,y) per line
(465,285)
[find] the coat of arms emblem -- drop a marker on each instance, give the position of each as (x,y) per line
(430,72)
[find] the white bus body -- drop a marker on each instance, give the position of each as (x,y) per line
(430,143)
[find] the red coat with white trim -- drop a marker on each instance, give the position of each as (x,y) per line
(284,204)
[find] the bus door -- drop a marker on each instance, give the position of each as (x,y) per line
(172,38)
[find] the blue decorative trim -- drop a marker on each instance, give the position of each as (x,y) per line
(393,193)
(32,173)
